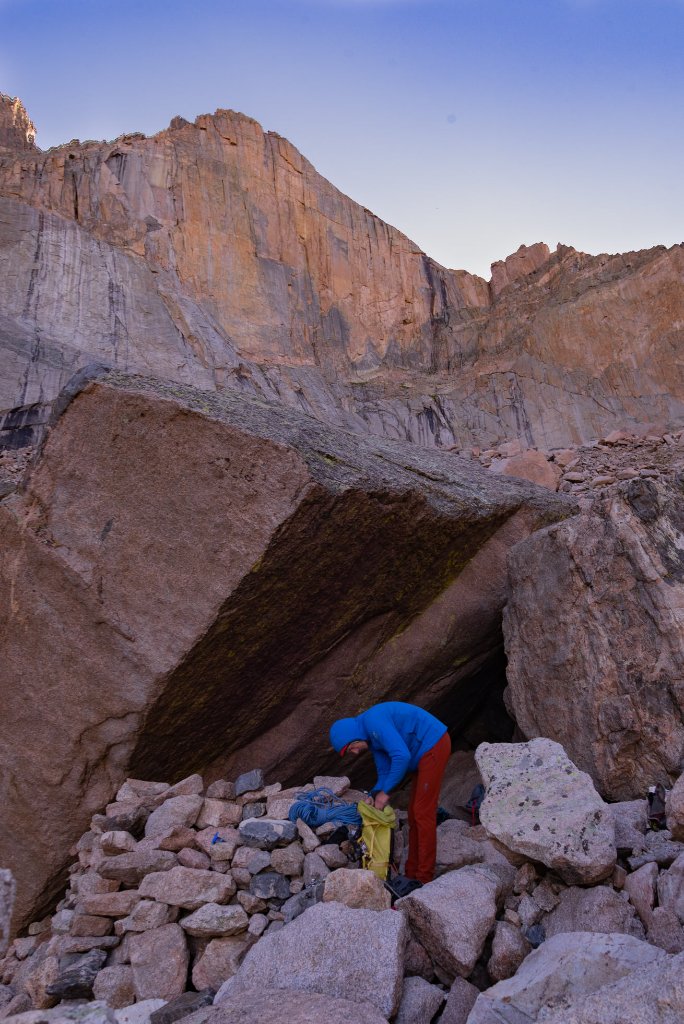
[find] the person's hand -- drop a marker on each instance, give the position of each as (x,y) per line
(367,799)
(381,800)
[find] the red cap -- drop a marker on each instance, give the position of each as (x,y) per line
(343,751)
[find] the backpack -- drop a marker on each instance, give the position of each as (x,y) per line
(376,839)
(473,805)
(656,807)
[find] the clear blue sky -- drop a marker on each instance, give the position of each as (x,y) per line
(472,125)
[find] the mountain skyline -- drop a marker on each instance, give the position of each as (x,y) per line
(471,127)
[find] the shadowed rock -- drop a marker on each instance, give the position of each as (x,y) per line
(197,568)
(594,631)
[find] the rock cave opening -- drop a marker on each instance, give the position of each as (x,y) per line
(475,712)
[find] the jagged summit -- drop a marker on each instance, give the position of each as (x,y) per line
(17,130)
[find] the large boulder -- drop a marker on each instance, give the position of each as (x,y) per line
(383,549)
(671,888)
(538,804)
(330,949)
(675,809)
(452,916)
(265,1005)
(96,1012)
(651,995)
(594,630)
(560,971)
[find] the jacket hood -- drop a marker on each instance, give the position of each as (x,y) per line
(344,730)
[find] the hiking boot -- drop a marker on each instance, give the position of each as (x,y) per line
(400,886)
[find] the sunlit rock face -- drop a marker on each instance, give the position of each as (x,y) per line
(214,253)
(16,128)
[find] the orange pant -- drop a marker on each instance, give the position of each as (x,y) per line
(422,811)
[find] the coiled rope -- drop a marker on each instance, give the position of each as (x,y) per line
(318,806)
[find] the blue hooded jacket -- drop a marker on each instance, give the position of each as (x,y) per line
(397,734)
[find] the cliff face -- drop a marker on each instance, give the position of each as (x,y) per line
(16,128)
(215,254)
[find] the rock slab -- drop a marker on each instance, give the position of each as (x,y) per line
(327,950)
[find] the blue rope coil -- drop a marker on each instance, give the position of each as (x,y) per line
(319,806)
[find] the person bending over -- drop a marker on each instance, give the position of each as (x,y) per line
(403,738)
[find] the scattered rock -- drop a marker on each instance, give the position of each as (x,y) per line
(452,917)
(194,859)
(274,1006)
(140,1012)
(249,781)
(631,822)
(509,949)
(640,886)
(76,980)
(337,784)
(213,920)
(145,915)
(74,1013)
(188,888)
(420,1001)
(215,813)
(599,909)
(356,888)
(326,950)
(332,856)
(222,789)
(530,465)
(664,930)
(131,868)
(175,812)
(563,969)
(182,1006)
(115,986)
(460,1001)
(109,904)
(252,859)
(112,843)
(315,868)
(220,960)
(269,885)
(671,888)
(267,833)
(159,959)
(290,859)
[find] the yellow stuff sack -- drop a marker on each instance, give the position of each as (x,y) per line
(376,838)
